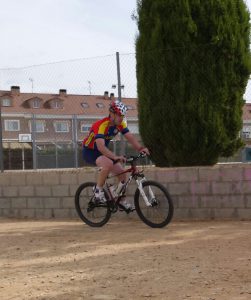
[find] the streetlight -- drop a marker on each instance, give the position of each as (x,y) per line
(90,86)
(114,86)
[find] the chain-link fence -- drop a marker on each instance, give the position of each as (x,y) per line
(51,142)
(47,110)
(50,108)
(87,76)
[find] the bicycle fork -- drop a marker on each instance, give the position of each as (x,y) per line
(143,194)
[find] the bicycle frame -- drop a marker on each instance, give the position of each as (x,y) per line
(135,174)
(96,213)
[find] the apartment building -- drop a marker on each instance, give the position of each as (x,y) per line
(53,123)
(44,130)
(246,132)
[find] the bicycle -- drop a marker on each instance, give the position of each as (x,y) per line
(152,201)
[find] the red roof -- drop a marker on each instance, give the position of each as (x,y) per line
(96,105)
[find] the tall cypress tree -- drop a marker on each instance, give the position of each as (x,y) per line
(193,64)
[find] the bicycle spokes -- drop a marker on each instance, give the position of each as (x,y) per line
(160,210)
(152,200)
(92,213)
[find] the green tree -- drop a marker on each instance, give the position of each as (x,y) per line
(193,64)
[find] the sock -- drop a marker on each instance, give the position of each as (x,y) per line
(120,186)
(98,188)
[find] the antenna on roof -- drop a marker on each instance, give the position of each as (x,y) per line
(90,87)
(32,80)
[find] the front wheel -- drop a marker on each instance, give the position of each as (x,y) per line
(95,215)
(160,213)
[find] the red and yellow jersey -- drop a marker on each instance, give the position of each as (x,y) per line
(103,129)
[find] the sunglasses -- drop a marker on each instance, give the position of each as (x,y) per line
(119,115)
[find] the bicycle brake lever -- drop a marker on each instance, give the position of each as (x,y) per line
(130,159)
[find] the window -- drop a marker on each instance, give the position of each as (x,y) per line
(36,103)
(100,105)
(39,126)
(12,125)
(85,105)
(85,127)
(6,102)
(246,128)
(57,104)
(62,126)
(246,134)
(130,107)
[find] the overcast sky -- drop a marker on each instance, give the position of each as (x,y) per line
(35,32)
(42,31)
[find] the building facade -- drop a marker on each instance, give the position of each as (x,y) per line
(41,130)
(46,130)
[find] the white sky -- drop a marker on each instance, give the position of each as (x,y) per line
(37,32)
(42,31)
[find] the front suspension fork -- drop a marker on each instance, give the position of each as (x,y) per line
(142,192)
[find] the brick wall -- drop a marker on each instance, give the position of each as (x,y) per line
(219,192)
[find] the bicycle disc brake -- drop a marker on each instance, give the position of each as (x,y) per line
(154,202)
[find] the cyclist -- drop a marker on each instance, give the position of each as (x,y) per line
(95,148)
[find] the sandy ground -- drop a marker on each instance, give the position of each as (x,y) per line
(124,260)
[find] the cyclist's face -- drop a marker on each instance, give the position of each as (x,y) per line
(116,118)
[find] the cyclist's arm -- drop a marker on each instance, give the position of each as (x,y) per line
(105,151)
(134,142)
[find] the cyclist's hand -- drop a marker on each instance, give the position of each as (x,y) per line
(121,158)
(145,151)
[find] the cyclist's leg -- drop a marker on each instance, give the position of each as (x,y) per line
(117,169)
(106,165)
(125,205)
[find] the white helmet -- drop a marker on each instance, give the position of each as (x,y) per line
(118,107)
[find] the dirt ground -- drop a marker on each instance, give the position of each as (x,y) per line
(68,260)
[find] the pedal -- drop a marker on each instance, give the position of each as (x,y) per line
(127,210)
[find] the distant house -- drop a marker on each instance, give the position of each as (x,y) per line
(54,113)
(59,119)
(55,125)
(246,130)
(246,133)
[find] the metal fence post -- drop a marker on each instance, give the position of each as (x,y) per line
(118,75)
(56,153)
(33,138)
(122,141)
(1,141)
(75,139)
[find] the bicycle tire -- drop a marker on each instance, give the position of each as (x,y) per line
(145,212)
(97,216)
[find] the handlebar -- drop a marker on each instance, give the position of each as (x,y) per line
(132,159)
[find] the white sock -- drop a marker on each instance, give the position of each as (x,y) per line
(98,188)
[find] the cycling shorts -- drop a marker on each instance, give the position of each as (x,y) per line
(90,155)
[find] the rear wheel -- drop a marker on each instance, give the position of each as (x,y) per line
(160,213)
(95,215)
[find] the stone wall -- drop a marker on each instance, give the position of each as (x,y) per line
(219,192)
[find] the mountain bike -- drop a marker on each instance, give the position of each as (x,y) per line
(152,201)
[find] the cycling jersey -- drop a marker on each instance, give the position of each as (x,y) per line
(103,129)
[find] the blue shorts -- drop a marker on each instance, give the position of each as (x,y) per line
(90,155)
